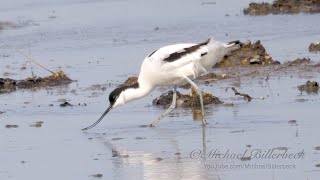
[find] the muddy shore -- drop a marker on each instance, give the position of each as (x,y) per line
(283,7)
(57,79)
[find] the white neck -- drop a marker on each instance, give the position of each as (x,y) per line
(136,93)
(131,94)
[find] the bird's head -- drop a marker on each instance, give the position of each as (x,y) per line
(117,97)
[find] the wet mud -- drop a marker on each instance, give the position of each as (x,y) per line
(65,104)
(185,100)
(314,47)
(297,67)
(11,126)
(309,87)
(97,175)
(37,124)
(7,24)
(57,79)
(283,7)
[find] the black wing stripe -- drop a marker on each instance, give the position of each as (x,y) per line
(177,55)
(203,54)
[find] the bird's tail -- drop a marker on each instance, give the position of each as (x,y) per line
(233,45)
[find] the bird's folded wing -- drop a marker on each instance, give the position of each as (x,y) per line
(192,58)
(176,56)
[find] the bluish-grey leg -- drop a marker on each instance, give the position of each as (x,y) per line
(169,110)
(204,122)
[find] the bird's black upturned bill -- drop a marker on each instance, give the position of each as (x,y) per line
(97,122)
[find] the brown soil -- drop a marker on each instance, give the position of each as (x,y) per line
(248,54)
(283,7)
(314,47)
(59,78)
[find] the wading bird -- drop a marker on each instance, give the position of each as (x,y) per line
(171,66)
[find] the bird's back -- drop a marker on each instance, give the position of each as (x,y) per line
(186,59)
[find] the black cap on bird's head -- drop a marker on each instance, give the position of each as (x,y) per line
(114,102)
(114,95)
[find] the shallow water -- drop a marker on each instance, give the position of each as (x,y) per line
(102,42)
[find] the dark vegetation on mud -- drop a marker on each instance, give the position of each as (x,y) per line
(283,7)
(57,79)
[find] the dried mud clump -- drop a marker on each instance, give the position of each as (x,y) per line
(283,7)
(248,54)
(185,100)
(314,47)
(58,78)
(130,81)
(309,87)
